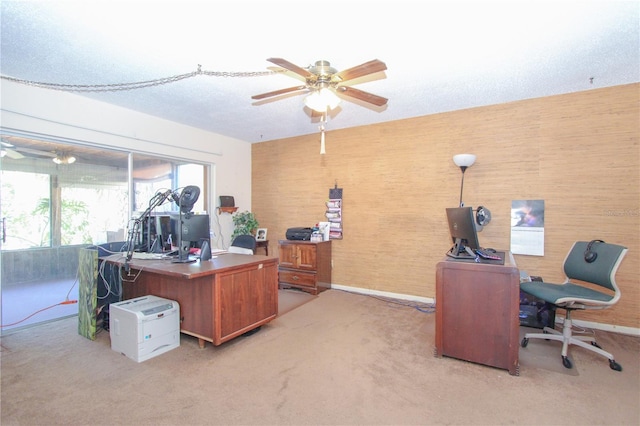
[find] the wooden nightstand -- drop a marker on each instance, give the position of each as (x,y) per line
(263,244)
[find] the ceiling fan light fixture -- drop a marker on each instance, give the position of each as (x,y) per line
(64,159)
(322,100)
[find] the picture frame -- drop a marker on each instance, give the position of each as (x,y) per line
(261,234)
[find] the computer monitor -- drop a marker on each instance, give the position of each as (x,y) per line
(462,228)
(154,234)
(195,230)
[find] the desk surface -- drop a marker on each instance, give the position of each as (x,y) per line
(509,261)
(220,263)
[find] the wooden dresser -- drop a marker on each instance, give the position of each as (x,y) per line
(477,308)
(305,265)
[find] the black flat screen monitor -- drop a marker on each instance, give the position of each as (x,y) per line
(195,230)
(154,234)
(462,228)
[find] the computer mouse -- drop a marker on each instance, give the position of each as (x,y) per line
(490,250)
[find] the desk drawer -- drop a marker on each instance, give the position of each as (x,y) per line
(298,278)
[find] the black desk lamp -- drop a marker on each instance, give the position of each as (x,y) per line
(185,201)
(134,230)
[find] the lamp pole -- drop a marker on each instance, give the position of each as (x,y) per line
(463,168)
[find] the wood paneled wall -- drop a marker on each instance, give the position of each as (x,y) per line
(579,153)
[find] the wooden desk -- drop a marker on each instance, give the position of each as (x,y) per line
(477,308)
(219,299)
(264,244)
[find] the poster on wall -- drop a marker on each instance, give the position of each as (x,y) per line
(527,227)
(334,213)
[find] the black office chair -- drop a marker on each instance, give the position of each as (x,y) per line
(594,262)
(243,244)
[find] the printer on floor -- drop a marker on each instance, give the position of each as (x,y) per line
(144,327)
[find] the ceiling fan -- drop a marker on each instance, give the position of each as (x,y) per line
(323,81)
(7,149)
(11,150)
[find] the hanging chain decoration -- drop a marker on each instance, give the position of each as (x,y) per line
(140,84)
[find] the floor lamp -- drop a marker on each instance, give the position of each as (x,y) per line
(463,161)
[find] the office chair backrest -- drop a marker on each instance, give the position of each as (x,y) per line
(602,271)
(246,241)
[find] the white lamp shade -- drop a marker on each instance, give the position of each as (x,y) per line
(464,160)
(321,100)
(64,159)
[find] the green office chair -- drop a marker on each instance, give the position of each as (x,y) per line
(243,244)
(594,262)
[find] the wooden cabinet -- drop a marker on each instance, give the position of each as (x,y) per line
(477,308)
(305,265)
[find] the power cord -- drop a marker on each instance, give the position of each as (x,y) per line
(427,308)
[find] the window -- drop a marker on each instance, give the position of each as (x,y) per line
(45,204)
(50,210)
(26,210)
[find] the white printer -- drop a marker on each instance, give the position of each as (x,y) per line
(144,327)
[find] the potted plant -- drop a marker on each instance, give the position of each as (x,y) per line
(245,224)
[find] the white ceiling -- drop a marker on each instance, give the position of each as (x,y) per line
(440,56)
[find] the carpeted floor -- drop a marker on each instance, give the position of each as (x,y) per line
(289,299)
(338,359)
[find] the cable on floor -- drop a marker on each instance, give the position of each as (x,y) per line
(427,308)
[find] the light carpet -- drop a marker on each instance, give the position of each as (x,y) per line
(339,359)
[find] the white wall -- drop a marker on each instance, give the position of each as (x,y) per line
(78,119)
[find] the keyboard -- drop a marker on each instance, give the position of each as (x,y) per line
(146,256)
(487,255)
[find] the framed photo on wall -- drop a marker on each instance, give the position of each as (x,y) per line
(261,235)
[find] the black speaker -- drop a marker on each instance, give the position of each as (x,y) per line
(227,201)
(205,251)
(590,255)
(483,216)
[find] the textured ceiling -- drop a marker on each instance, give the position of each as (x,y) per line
(440,56)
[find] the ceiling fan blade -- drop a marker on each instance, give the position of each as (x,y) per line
(278,92)
(36,152)
(359,71)
(291,67)
(362,95)
(15,155)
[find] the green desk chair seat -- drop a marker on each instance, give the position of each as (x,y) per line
(594,262)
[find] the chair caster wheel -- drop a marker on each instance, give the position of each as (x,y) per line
(524,342)
(614,365)
(567,362)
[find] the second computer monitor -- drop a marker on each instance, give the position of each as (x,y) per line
(195,229)
(462,228)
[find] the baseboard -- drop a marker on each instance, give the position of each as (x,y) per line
(586,324)
(370,292)
(632,331)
